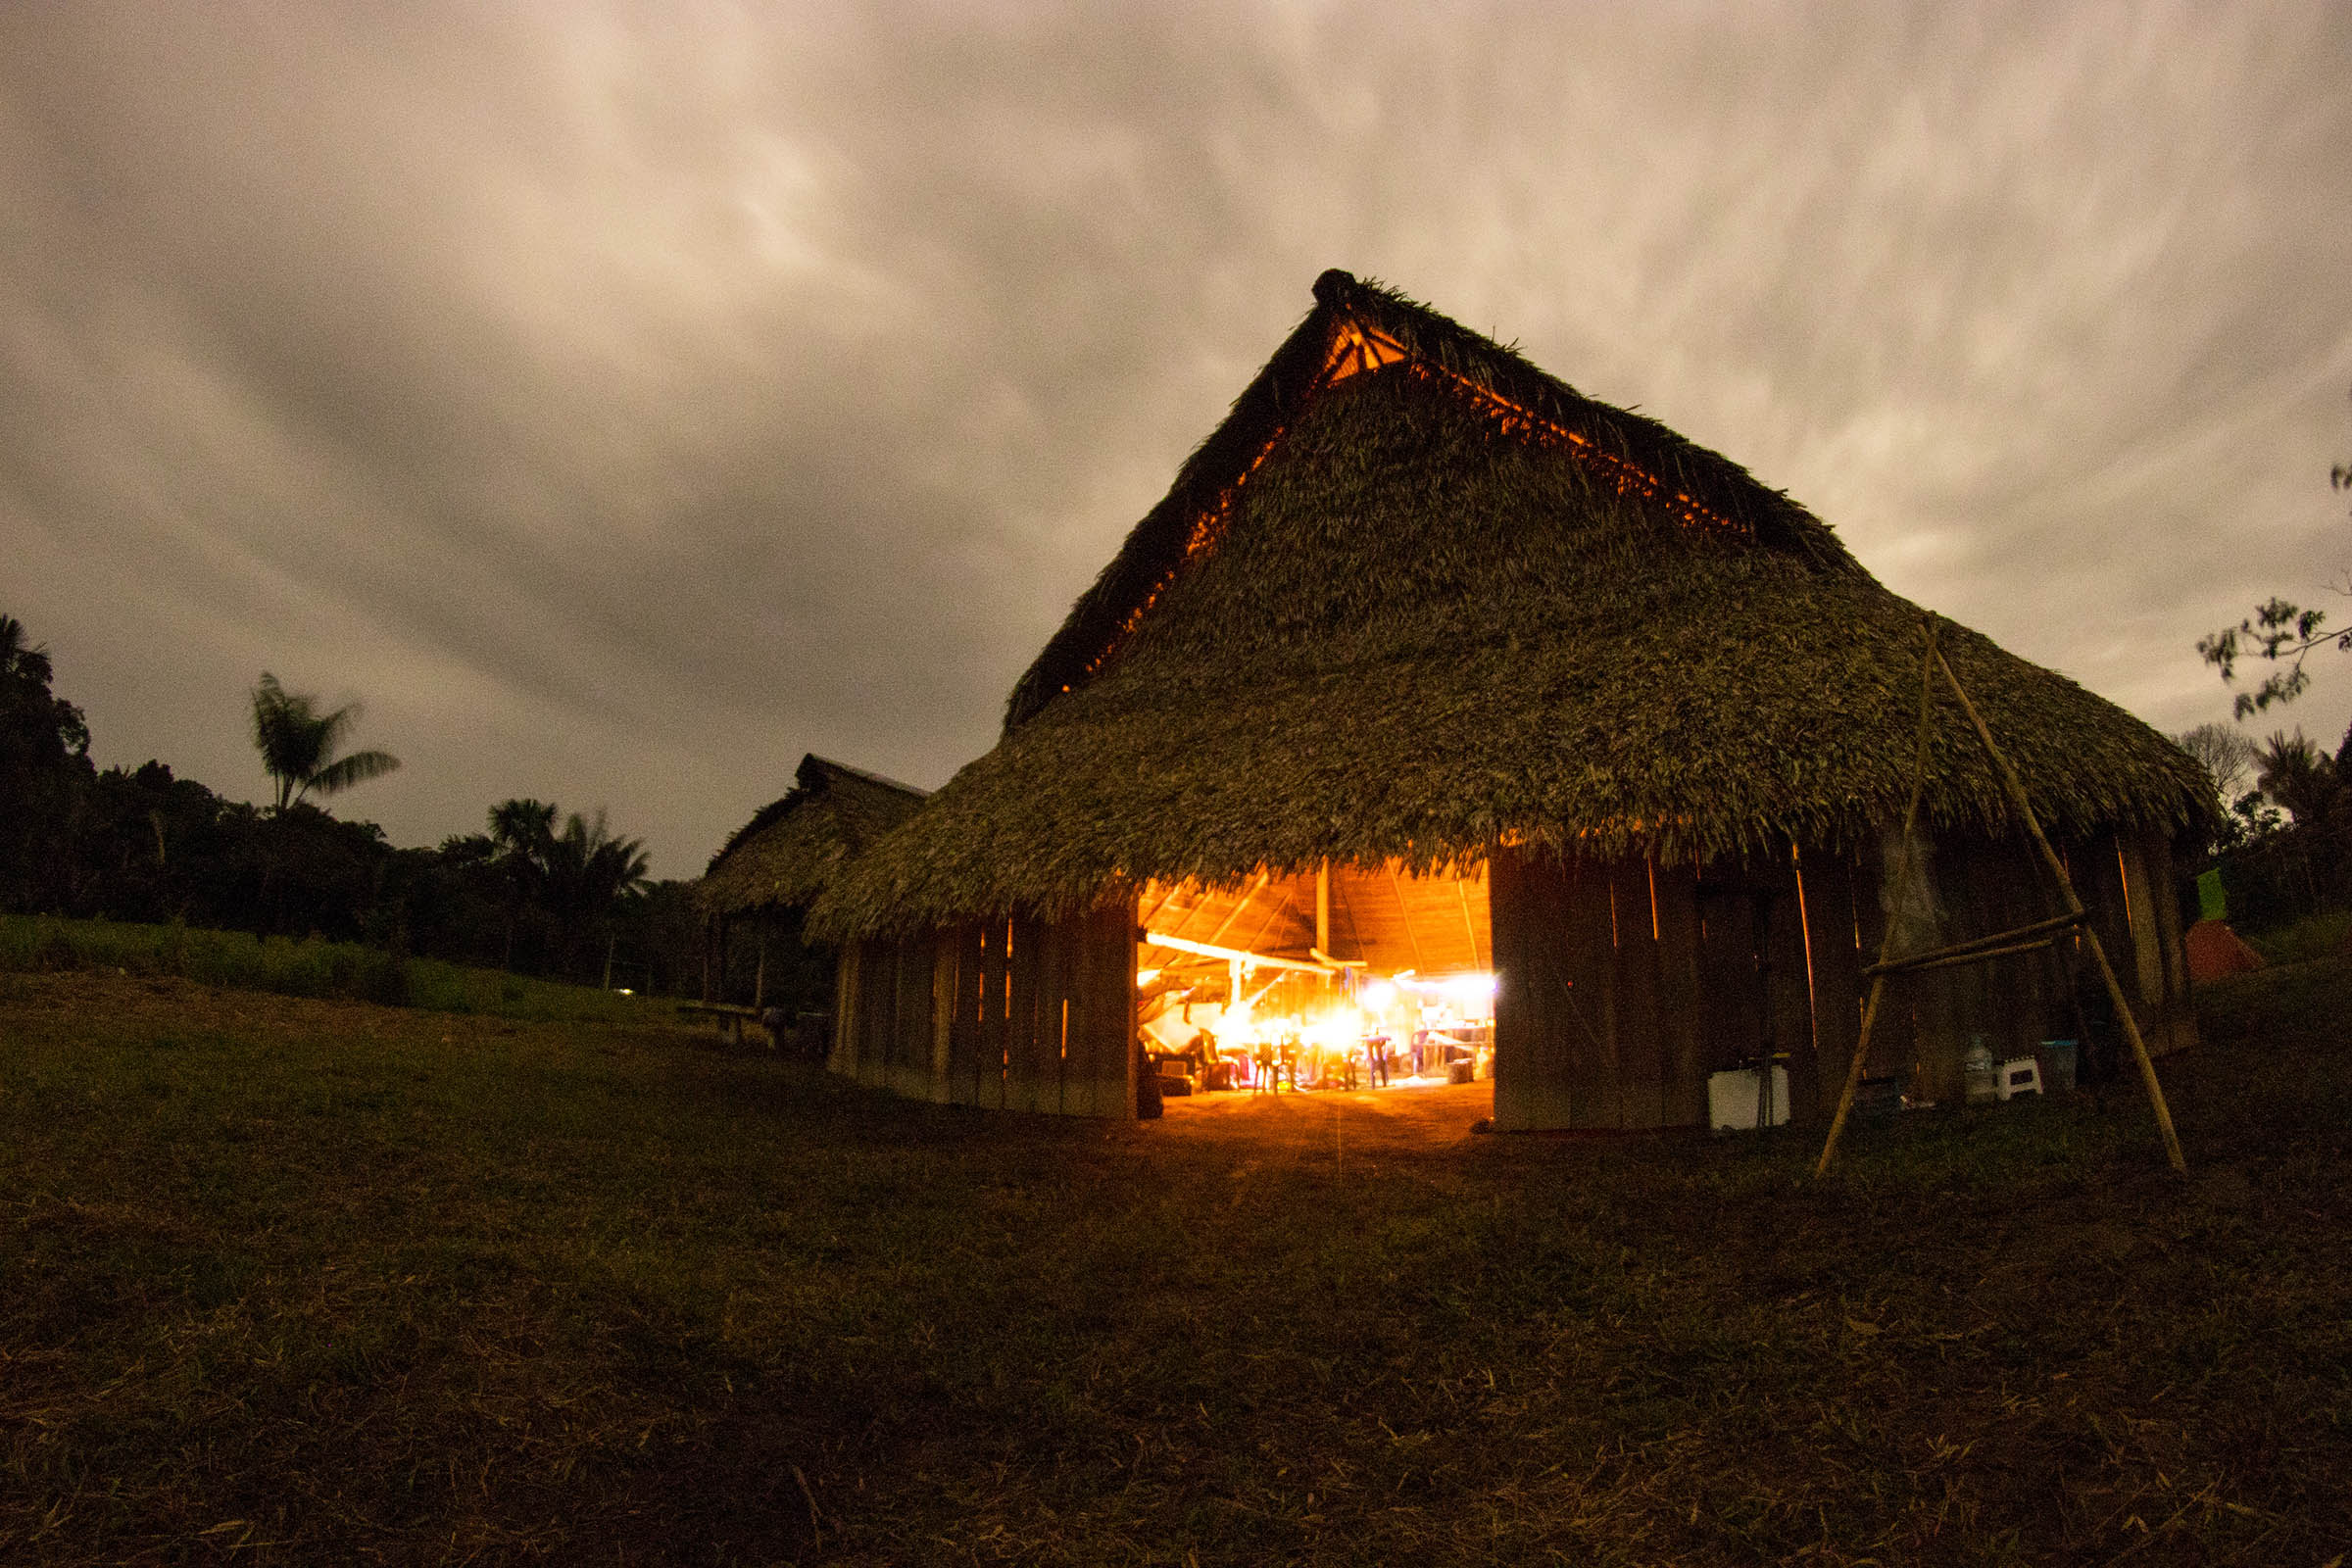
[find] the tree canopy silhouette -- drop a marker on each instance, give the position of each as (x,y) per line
(298,744)
(2281,632)
(590,872)
(2296,773)
(44,773)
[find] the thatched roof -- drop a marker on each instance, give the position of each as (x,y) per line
(1416,599)
(784,855)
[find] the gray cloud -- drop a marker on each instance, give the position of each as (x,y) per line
(624,401)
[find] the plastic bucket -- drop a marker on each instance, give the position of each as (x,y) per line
(2058,1064)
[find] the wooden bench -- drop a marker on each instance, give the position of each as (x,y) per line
(730,1017)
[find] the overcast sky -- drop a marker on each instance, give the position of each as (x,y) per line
(624,401)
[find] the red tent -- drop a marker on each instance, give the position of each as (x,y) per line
(2215,952)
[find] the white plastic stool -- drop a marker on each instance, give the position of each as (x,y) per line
(2020,1075)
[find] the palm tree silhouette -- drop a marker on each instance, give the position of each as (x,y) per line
(2293,771)
(298,744)
(523,838)
(590,874)
(580,876)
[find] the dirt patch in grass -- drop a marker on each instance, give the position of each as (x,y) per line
(296,1280)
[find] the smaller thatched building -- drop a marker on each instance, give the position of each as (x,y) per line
(773,867)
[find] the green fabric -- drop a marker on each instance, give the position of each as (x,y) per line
(2212,902)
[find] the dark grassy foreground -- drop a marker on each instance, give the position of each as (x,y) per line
(343,972)
(306,1281)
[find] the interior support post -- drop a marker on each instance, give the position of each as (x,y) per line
(1323,907)
(1322,946)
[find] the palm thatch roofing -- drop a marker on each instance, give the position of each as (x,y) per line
(783,858)
(1416,600)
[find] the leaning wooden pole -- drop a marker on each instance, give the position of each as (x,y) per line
(2074,907)
(1902,895)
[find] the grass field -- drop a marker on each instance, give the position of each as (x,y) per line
(2312,936)
(310,1281)
(345,971)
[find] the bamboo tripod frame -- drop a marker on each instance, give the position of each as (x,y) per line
(1985,947)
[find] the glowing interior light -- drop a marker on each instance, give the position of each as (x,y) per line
(1471,987)
(1379,997)
(1336,1030)
(1143,977)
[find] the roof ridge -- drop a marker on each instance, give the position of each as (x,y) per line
(1633,454)
(823,768)
(870,778)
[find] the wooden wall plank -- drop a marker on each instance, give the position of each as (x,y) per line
(1588,956)
(2044,979)
(1101,1079)
(946,954)
(870,957)
(991,1088)
(2011,892)
(881,970)
(1119,958)
(852,1006)
(912,1049)
(1683,1085)
(2166,887)
(964,1038)
(2098,882)
(909,1050)
(1078,1074)
(1789,997)
(1953,1004)
(1533,1069)
(843,1059)
(2177,1019)
(1030,1084)
(1114,938)
(1054,1015)
(1640,1037)
(1730,986)
(1827,881)
(1557,1062)
(1518,999)
(2147,943)
(1893,1039)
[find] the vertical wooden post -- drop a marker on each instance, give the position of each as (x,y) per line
(1323,907)
(759,975)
